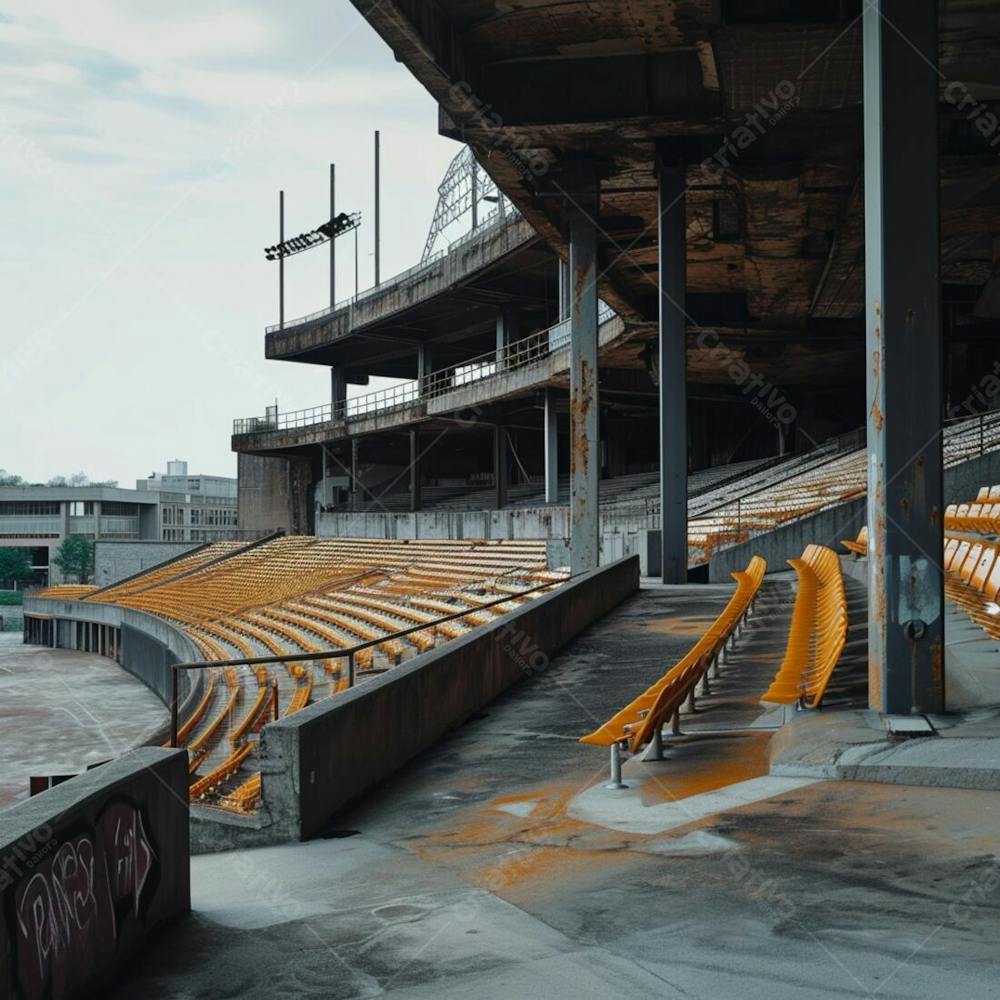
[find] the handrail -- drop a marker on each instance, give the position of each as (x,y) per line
(534,347)
(326,654)
(640,722)
(491,220)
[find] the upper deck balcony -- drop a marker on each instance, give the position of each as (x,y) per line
(500,258)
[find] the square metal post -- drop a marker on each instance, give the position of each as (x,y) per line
(584,454)
(904,358)
(672,210)
(500,465)
(414,470)
(551,441)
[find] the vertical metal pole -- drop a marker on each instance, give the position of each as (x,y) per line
(350,670)
(173,705)
(616,768)
(333,242)
(904,369)
(356,228)
(475,192)
(281,261)
(551,435)
(500,465)
(378,240)
(414,470)
(671,182)
(585,469)
(564,285)
(354,472)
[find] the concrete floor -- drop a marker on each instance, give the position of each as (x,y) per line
(61,710)
(497,865)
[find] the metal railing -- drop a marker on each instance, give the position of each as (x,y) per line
(332,654)
(535,347)
(424,269)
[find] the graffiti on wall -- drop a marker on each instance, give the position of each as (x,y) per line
(72,907)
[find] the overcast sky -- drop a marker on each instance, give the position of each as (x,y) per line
(142,146)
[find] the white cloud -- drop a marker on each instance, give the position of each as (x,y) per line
(142,147)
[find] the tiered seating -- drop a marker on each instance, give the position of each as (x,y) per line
(641,720)
(66,591)
(823,479)
(818,631)
(302,594)
(981,516)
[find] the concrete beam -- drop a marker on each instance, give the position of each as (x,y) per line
(904,370)
(338,388)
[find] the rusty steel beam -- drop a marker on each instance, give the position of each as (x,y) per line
(672,214)
(581,207)
(904,370)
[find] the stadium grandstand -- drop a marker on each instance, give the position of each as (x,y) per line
(641,639)
(300,594)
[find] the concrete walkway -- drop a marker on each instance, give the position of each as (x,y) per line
(498,866)
(61,710)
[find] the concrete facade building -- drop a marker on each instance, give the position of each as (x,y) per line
(171,507)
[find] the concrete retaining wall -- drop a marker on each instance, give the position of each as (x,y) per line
(620,537)
(321,758)
(88,870)
(827,527)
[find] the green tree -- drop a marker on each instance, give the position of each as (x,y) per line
(76,557)
(15,565)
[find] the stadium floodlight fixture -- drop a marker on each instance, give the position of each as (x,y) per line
(337,226)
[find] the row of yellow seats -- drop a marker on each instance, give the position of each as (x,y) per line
(818,631)
(639,721)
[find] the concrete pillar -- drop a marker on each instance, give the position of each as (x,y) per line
(338,391)
(500,465)
(507,330)
(673,367)
(904,364)
(414,470)
(550,430)
(582,211)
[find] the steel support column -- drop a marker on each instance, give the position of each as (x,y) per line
(672,213)
(414,470)
(904,369)
(584,454)
(507,322)
(338,390)
(550,431)
(563,290)
(354,472)
(425,365)
(500,465)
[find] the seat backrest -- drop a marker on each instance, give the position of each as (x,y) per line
(981,571)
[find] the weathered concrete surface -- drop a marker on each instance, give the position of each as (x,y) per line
(464,875)
(116,560)
(314,762)
(855,744)
(88,870)
(61,710)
